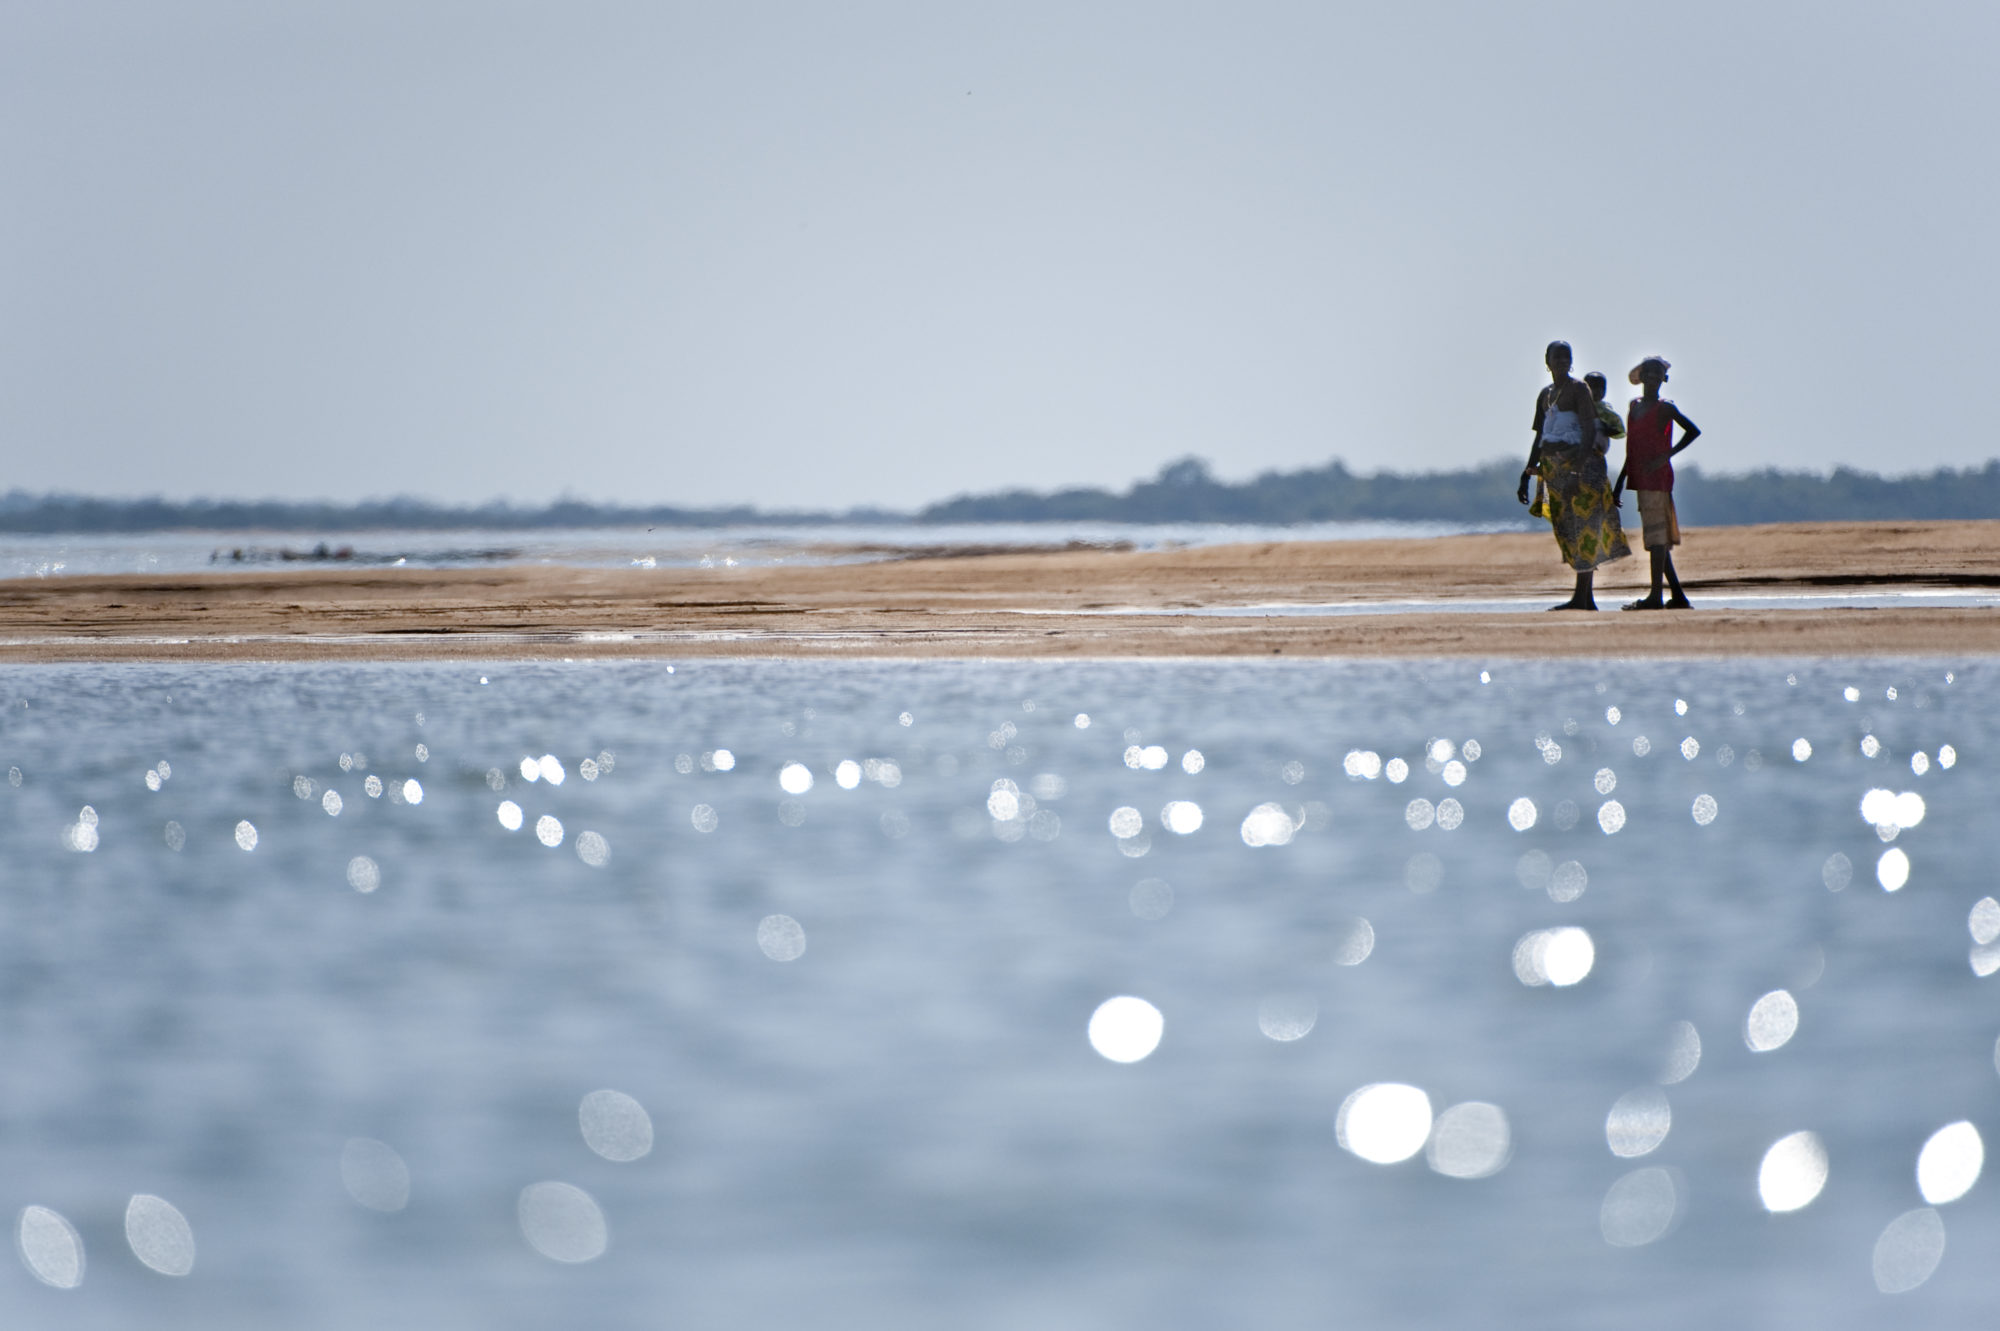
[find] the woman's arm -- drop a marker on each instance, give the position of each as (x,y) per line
(1542,405)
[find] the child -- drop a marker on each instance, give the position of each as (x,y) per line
(1608,423)
(1648,445)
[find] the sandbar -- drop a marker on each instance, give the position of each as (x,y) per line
(1211,601)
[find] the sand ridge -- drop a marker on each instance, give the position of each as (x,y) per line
(1045,603)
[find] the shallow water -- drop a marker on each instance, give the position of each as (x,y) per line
(57,555)
(349,1098)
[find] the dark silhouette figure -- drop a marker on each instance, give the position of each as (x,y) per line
(1649,448)
(1568,455)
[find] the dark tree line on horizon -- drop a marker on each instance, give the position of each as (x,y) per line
(1183,491)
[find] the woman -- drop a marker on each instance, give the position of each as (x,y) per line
(1569,458)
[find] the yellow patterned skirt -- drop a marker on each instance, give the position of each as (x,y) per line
(1580,508)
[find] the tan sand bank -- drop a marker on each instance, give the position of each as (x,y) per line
(1050,604)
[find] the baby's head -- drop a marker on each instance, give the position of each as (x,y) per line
(1597,383)
(1651,371)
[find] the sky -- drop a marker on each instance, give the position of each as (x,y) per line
(812,255)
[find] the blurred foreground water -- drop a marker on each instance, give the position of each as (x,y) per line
(996,995)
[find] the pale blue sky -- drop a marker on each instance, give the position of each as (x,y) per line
(818,255)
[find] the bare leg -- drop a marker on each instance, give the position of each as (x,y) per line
(1581,598)
(1651,600)
(1679,600)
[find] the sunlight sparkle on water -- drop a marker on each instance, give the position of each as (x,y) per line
(562,1222)
(1908,1251)
(363,875)
(1772,1022)
(374,1175)
(1181,817)
(1534,870)
(246,835)
(1150,899)
(847,774)
(1384,1123)
(549,830)
(1638,1122)
(1561,957)
(1950,1162)
(1266,825)
(50,1247)
(1567,881)
(1396,770)
(1419,813)
(1704,810)
(1683,1053)
(1793,1172)
(1892,871)
(593,849)
(1192,762)
(1521,814)
(1611,817)
(1470,1140)
(1287,1017)
(781,938)
(795,778)
(1125,1029)
(509,814)
(615,1125)
(1984,920)
(1353,942)
(159,1235)
(1639,1208)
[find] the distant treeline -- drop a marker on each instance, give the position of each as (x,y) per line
(1184,491)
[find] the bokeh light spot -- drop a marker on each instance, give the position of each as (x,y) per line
(50,1247)
(374,1174)
(781,938)
(1470,1140)
(1384,1123)
(1125,1029)
(1793,1172)
(562,1222)
(1772,1022)
(159,1235)
(1950,1162)
(615,1125)
(1908,1251)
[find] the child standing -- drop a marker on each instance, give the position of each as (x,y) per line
(1649,446)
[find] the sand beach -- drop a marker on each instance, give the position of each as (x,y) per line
(1807,589)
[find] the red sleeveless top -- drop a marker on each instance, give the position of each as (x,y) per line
(1649,438)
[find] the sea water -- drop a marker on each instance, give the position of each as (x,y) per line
(60,554)
(993,995)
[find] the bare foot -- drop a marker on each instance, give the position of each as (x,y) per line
(1575,605)
(1646,603)
(1679,603)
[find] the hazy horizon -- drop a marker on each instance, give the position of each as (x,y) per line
(797,258)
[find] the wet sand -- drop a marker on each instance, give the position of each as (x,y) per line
(1049,603)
